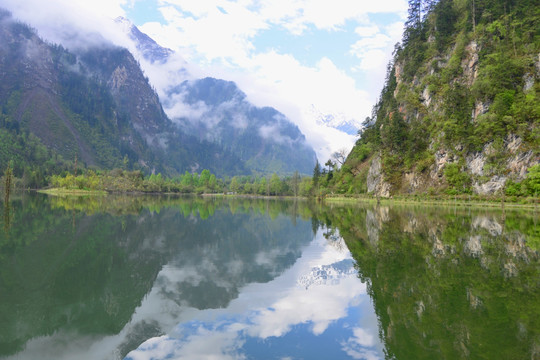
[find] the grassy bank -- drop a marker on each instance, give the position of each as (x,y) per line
(72,192)
(465,201)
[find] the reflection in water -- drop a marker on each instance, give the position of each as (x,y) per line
(298,314)
(158,277)
(449,285)
(67,291)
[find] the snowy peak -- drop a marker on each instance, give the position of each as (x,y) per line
(328,274)
(337,121)
(149,49)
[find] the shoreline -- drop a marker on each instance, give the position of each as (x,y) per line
(491,202)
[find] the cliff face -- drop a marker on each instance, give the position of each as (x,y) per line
(460,110)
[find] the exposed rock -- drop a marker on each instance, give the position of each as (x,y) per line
(528,79)
(510,269)
(492,226)
(442,157)
(426,96)
(398,70)
(473,246)
(513,142)
(438,248)
(375,183)
(118,78)
(372,227)
(412,181)
(470,63)
(480,108)
(474,300)
(475,163)
(492,186)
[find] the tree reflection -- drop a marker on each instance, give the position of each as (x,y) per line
(447,284)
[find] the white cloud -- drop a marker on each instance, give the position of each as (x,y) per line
(73,23)
(364,31)
(222,43)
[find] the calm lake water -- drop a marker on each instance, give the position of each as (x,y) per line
(193,278)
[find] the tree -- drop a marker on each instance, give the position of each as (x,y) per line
(316,176)
(8,180)
(204,178)
(275,184)
(414,21)
(330,164)
(295,183)
(340,156)
(235,186)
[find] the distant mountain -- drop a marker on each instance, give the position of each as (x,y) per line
(150,49)
(96,106)
(217,111)
(263,138)
(337,121)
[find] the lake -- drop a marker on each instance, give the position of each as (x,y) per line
(134,277)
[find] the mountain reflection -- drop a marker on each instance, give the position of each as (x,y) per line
(75,270)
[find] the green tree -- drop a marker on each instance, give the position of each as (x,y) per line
(276,186)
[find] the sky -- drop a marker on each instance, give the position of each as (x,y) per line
(306,58)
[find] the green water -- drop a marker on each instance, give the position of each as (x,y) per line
(153,277)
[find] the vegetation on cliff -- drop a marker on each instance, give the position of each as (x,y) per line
(460,109)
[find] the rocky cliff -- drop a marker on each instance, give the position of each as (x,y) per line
(460,110)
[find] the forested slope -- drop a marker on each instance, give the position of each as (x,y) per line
(460,109)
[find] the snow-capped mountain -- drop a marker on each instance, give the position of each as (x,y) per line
(148,48)
(336,120)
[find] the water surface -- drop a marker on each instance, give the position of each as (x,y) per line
(189,278)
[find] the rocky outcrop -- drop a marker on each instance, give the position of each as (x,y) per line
(470,63)
(375,181)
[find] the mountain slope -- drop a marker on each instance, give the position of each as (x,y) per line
(96,106)
(261,137)
(460,110)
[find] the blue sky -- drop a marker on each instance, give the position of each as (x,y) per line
(306,58)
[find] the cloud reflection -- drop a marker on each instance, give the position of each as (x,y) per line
(311,301)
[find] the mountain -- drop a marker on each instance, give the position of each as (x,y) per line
(263,138)
(95,106)
(460,109)
(217,111)
(148,48)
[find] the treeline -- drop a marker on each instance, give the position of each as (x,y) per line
(335,180)
(119,180)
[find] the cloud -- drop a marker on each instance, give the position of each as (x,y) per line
(74,24)
(263,311)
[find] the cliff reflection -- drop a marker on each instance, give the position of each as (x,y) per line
(448,284)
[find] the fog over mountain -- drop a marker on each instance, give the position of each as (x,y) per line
(218,111)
